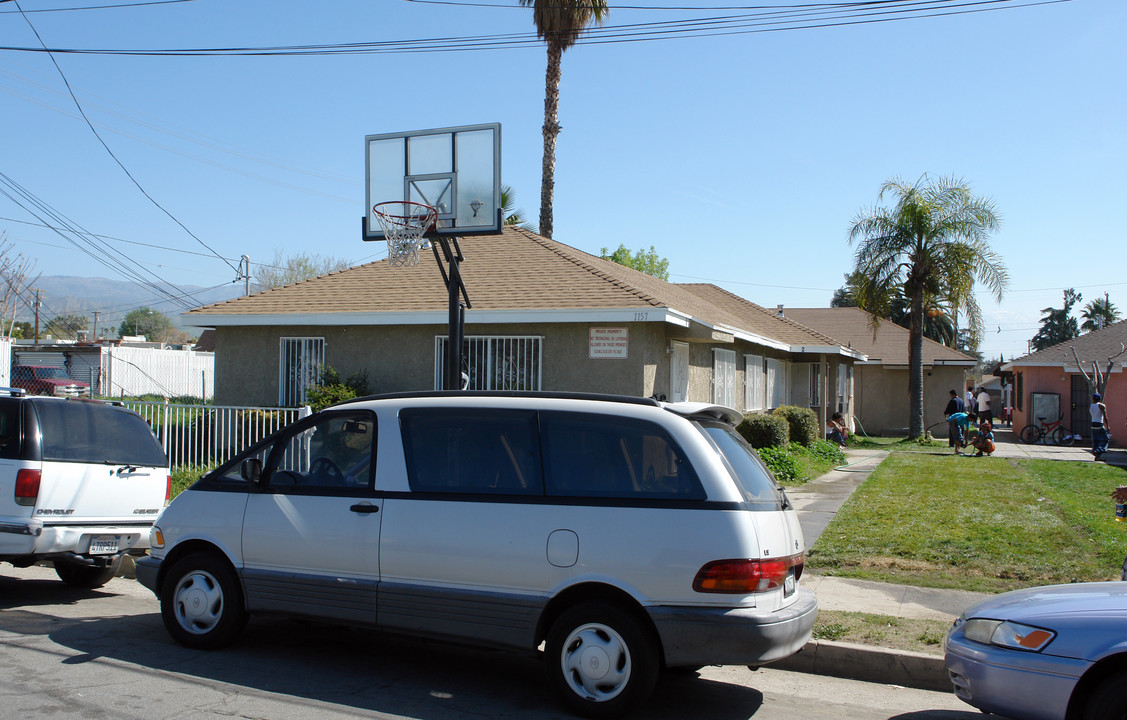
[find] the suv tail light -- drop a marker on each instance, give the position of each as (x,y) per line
(27,486)
(167,488)
(743,577)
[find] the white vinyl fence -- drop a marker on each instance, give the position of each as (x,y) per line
(200,435)
(143,371)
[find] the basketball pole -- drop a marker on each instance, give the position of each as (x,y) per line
(456,292)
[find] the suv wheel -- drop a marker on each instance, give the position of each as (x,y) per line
(201,602)
(601,660)
(86,576)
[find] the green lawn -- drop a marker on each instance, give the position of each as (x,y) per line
(987,524)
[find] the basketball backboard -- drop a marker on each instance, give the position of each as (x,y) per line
(457,170)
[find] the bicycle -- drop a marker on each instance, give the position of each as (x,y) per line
(1054,431)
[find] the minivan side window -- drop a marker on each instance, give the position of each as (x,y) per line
(592,455)
(334,450)
(479,451)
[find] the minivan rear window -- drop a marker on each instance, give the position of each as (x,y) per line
(751,475)
(92,432)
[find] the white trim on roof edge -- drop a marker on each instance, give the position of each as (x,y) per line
(503,317)
(483,317)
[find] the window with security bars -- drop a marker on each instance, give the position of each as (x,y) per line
(299,364)
(494,362)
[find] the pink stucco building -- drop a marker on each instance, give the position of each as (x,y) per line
(1049,384)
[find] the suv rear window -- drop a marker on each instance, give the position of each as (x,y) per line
(91,432)
(751,475)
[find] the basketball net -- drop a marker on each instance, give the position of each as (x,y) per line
(404,224)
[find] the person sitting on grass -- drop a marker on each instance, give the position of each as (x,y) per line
(960,424)
(984,441)
(835,430)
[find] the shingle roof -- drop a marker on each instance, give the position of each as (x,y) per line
(516,270)
(1098,346)
(850,325)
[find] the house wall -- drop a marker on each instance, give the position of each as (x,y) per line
(882,398)
(1056,380)
(402,359)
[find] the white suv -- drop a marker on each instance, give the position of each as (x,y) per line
(81,482)
(619,535)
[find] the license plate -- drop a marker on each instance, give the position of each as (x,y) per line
(789,584)
(104,544)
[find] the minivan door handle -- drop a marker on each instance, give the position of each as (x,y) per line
(365,508)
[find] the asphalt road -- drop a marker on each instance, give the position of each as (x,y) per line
(67,653)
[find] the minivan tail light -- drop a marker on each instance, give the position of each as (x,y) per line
(167,488)
(743,577)
(27,486)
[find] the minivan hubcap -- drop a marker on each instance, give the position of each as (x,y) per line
(596,662)
(198,601)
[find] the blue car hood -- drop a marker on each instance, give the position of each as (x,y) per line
(1090,619)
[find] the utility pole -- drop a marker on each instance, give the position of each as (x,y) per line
(94,334)
(244,274)
(36,316)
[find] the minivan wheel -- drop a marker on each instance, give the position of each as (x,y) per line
(86,576)
(601,660)
(201,602)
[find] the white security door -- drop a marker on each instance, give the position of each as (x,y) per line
(679,373)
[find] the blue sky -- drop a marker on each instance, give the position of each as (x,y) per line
(741,158)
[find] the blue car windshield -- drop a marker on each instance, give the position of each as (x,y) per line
(755,481)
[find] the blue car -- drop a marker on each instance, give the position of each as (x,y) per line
(1046,653)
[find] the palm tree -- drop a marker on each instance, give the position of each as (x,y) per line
(559,23)
(1099,313)
(932,242)
(513,216)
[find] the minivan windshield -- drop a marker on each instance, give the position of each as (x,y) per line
(752,477)
(91,432)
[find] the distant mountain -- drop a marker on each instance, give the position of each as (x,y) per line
(113,299)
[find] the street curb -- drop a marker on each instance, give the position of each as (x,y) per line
(870,664)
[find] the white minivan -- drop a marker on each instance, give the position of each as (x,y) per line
(81,482)
(616,536)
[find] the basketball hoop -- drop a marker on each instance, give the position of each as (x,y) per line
(404,224)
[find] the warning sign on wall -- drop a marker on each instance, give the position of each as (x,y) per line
(608,343)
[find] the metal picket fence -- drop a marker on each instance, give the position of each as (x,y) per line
(201,435)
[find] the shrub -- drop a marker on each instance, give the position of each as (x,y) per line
(782,464)
(332,389)
(762,431)
(827,450)
(803,422)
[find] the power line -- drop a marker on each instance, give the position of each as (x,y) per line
(93,7)
(81,239)
(804,17)
(103,142)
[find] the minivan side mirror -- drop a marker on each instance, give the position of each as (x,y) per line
(251,470)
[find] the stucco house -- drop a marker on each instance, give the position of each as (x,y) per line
(544,316)
(881,379)
(1049,384)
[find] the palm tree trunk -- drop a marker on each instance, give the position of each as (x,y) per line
(551,130)
(916,365)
